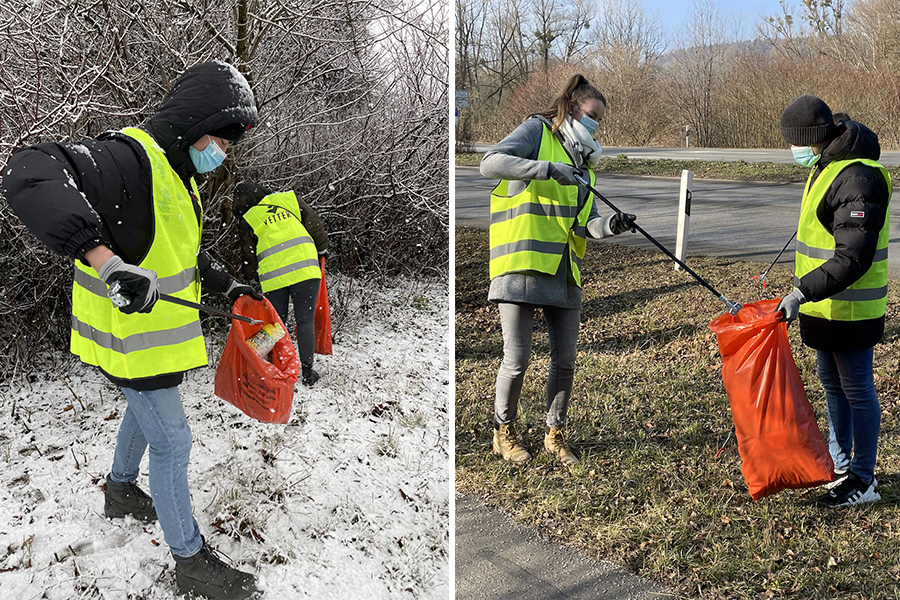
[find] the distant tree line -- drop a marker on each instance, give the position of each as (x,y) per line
(352,97)
(512,56)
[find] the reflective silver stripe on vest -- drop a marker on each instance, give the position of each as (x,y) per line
(575,259)
(535,208)
(283,246)
(850,295)
(167,285)
(139,341)
(580,230)
(312,262)
(823,254)
(527,246)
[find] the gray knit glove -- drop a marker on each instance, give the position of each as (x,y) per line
(563,174)
(236,290)
(790,305)
(131,288)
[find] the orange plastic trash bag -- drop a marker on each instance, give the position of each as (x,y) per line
(322,319)
(262,390)
(778,438)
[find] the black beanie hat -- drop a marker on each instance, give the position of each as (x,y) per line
(806,121)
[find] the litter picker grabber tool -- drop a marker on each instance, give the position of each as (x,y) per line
(732,306)
(119,299)
(762,277)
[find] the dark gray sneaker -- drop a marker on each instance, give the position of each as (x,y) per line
(127,499)
(205,574)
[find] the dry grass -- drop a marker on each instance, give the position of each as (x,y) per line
(648,415)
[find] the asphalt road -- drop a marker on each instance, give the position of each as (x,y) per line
(888,159)
(733,219)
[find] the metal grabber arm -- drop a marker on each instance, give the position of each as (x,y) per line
(732,306)
(119,299)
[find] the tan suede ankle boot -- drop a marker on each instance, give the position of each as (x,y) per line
(507,445)
(555,443)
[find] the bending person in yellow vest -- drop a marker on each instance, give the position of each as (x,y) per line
(281,240)
(540,219)
(841,275)
(133,217)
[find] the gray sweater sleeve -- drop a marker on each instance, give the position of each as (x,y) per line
(514,157)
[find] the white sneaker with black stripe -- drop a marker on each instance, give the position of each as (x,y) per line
(851,491)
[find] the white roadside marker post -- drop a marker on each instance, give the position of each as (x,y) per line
(684,216)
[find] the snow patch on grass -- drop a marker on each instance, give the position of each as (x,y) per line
(349,499)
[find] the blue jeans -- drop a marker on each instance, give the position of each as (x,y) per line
(156,418)
(854,415)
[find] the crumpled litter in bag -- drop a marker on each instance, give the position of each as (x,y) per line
(262,390)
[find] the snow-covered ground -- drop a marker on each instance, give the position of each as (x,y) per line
(350,499)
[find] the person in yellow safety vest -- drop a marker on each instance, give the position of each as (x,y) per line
(540,219)
(840,279)
(125,206)
(281,239)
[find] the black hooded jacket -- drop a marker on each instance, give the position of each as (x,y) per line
(76,196)
(858,189)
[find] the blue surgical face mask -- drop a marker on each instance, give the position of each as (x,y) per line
(209,158)
(589,124)
(805,155)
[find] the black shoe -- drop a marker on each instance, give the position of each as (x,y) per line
(204,574)
(127,499)
(851,491)
(310,377)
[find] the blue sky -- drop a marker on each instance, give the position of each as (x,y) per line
(674,12)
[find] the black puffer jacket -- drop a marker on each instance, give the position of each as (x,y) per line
(76,196)
(857,189)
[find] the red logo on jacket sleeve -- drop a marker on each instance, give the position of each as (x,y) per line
(859,214)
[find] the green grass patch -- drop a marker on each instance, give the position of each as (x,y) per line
(727,170)
(647,417)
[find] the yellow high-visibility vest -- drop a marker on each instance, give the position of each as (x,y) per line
(285,251)
(168,339)
(530,231)
(867,297)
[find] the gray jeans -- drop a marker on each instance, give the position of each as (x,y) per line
(562,325)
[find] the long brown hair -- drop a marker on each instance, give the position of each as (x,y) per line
(577,90)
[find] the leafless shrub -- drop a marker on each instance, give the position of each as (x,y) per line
(353,98)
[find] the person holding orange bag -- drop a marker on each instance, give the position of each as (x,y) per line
(840,281)
(282,239)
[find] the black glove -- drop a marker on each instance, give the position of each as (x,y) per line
(790,305)
(622,222)
(236,290)
(564,174)
(132,289)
